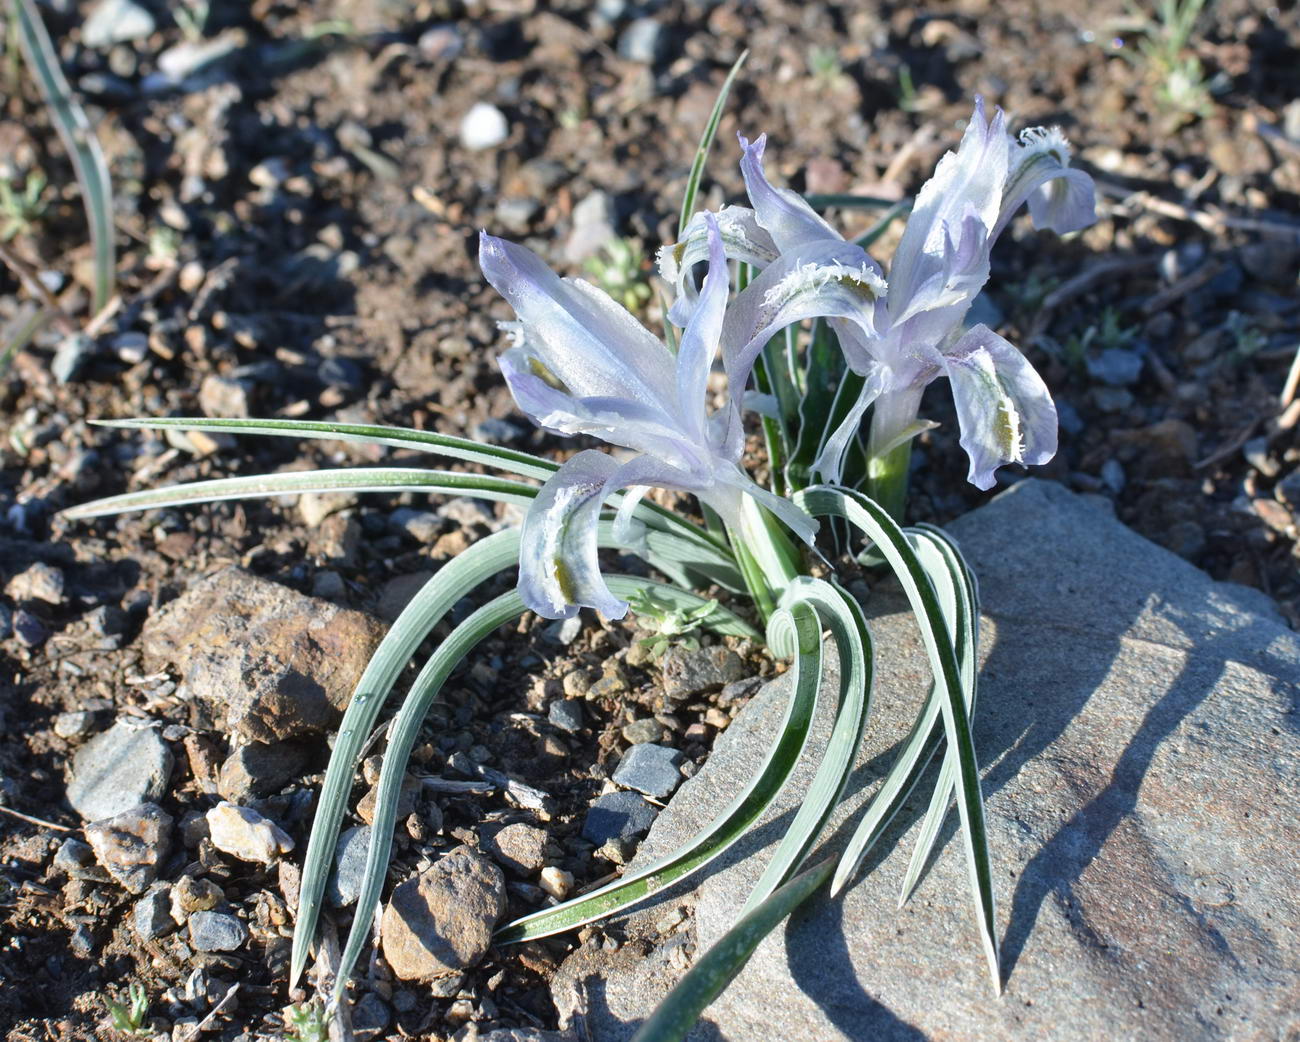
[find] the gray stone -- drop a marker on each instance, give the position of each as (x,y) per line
(644,41)
(1116,366)
(151,916)
(115,21)
(520,847)
(647,729)
(441,42)
(1137,721)
(688,673)
(566,714)
(71,356)
(483,126)
(441,921)
(515,214)
(274,663)
(127,765)
(76,725)
(29,630)
(349,870)
(1288,489)
(217,932)
(76,860)
(593,227)
(618,815)
(370,1017)
(131,845)
(421,525)
(563,631)
(650,769)
(259,769)
(6,622)
(40,582)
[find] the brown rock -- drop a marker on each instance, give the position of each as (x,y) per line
(441,921)
(132,844)
(519,847)
(278,664)
(258,769)
(1165,449)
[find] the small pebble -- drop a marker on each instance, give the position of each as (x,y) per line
(349,871)
(246,834)
(645,730)
(483,126)
(131,845)
(556,882)
(621,815)
(216,932)
(566,714)
(650,769)
(151,916)
(40,582)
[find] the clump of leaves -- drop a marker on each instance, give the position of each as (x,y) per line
(21,208)
(1110,332)
(620,271)
(1165,53)
(130,1019)
(306,1023)
(668,623)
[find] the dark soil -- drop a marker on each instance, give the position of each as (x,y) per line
(303,218)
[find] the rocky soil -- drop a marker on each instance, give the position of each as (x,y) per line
(298,190)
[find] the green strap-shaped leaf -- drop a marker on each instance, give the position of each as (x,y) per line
(942,561)
(847,201)
(510,460)
(79,139)
(893,544)
(823,371)
(427,608)
(706,142)
(447,587)
(713,971)
(842,615)
(406,727)
(352,479)
(794,633)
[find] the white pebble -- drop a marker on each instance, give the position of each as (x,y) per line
(484,126)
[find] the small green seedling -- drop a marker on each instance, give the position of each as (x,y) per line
(306,1023)
(130,1020)
(20,209)
(666,625)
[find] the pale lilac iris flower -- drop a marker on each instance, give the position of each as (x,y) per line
(582,364)
(904,334)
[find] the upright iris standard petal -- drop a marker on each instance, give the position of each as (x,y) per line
(943,248)
(1005,410)
(700,340)
(784,214)
(581,365)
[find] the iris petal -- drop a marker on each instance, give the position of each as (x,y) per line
(1005,410)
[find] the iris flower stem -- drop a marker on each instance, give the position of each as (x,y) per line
(767,557)
(887,479)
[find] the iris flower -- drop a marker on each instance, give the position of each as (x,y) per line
(903,334)
(581,364)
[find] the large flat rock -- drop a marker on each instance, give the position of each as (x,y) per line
(1138,726)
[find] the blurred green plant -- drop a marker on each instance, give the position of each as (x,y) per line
(306,1023)
(1166,57)
(130,1019)
(20,209)
(668,624)
(78,138)
(620,270)
(1110,332)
